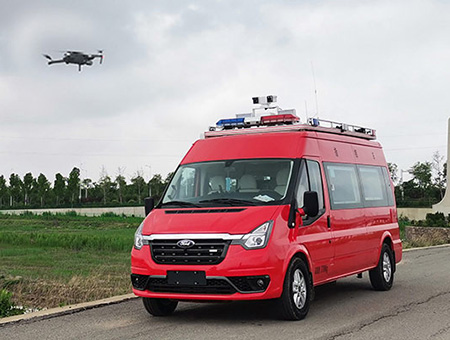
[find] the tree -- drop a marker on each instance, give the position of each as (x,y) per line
(59,187)
(15,188)
(108,187)
(73,184)
(157,186)
(168,178)
(86,184)
(440,175)
(43,188)
(422,175)
(27,186)
(121,184)
(3,190)
(393,169)
(138,184)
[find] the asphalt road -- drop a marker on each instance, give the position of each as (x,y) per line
(417,307)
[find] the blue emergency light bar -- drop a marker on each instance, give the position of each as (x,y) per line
(231,123)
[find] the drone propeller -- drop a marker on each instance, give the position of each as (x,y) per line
(47,56)
(101,55)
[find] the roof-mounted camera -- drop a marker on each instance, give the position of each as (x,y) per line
(265,100)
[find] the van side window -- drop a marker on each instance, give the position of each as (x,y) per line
(343,186)
(373,186)
(315,181)
(390,197)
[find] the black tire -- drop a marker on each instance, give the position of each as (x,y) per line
(160,307)
(382,276)
(297,291)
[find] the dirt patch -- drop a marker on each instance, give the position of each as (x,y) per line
(426,236)
(47,294)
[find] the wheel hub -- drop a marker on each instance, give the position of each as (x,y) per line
(299,289)
(387,268)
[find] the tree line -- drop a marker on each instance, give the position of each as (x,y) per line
(73,191)
(427,185)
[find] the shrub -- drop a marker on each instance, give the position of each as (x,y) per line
(6,306)
(109,214)
(436,220)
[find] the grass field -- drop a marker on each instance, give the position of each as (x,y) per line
(54,260)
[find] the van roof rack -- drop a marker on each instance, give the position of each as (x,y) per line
(269,117)
(314,124)
(355,130)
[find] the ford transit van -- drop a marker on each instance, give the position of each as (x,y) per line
(269,210)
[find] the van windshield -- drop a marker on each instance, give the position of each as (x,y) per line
(229,183)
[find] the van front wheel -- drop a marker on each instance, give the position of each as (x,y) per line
(160,307)
(382,276)
(297,291)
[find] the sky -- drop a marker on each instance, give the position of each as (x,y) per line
(173,68)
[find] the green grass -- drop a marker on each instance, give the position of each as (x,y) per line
(402,224)
(51,260)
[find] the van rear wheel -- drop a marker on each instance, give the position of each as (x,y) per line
(297,291)
(382,276)
(160,307)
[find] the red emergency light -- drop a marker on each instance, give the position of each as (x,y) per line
(279,119)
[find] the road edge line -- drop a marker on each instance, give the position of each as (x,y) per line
(429,247)
(70,309)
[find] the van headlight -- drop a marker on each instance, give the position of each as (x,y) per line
(258,238)
(138,239)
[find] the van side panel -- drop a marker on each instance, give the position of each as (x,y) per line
(368,155)
(378,221)
(351,246)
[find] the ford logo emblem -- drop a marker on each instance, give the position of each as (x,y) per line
(185,243)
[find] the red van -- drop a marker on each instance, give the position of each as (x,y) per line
(269,211)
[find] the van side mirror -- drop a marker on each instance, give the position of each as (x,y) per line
(311,203)
(293,211)
(149,203)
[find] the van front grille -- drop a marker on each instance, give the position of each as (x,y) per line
(202,252)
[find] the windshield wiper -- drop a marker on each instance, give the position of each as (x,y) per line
(230,201)
(180,203)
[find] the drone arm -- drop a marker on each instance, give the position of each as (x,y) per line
(93,56)
(55,61)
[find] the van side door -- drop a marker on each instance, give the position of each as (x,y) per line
(314,232)
(347,218)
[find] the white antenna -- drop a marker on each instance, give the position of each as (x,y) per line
(306,111)
(315,90)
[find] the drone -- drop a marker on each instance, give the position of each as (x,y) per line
(74,57)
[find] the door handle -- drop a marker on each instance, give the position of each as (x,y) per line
(328,222)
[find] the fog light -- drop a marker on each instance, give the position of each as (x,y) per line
(258,283)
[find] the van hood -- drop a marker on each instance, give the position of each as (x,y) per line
(230,220)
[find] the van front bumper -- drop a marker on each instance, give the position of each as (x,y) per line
(242,275)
